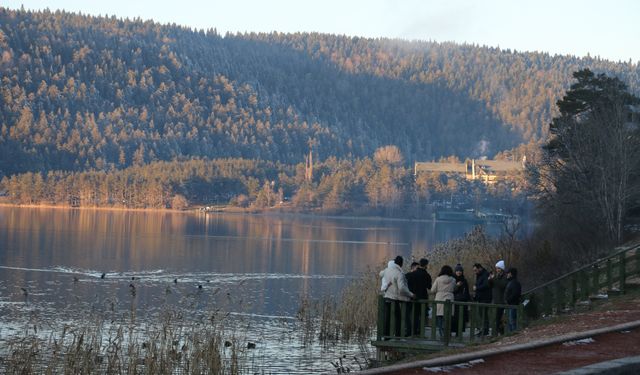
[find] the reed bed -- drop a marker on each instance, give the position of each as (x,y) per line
(351,318)
(169,345)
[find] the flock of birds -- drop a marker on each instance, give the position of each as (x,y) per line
(132,289)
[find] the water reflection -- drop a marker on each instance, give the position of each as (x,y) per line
(255,266)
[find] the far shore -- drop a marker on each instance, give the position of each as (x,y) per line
(225,209)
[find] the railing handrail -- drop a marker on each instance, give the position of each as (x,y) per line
(463,303)
(623,249)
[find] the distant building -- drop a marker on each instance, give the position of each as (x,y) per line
(488,171)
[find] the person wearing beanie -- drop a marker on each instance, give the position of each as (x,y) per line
(460,294)
(512,295)
(498,284)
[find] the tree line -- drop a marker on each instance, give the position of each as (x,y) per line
(380,184)
(86,93)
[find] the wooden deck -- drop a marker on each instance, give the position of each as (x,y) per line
(482,318)
(609,275)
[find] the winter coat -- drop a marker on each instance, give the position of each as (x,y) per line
(461,292)
(513,291)
(483,291)
(398,289)
(498,284)
(419,282)
(385,283)
(443,288)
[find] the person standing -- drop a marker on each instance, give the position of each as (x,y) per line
(419,282)
(460,294)
(512,294)
(443,288)
(385,283)
(498,284)
(396,293)
(482,294)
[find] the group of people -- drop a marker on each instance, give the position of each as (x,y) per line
(500,287)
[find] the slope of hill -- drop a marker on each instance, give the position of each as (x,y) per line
(82,92)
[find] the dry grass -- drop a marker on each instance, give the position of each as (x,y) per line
(536,260)
(348,318)
(170,345)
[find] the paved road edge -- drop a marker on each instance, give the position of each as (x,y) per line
(466,357)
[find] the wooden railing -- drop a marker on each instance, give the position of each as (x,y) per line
(610,273)
(418,320)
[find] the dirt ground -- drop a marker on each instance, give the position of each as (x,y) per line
(564,356)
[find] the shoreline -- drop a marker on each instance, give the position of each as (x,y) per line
(275,212)
(227,210)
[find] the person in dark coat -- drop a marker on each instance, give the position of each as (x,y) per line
(512,294)
(498,284)
(460,294)
(482,294)
(481,288)
(419,282)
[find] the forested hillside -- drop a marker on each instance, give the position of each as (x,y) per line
(93,93)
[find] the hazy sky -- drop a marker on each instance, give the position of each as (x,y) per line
(609,29)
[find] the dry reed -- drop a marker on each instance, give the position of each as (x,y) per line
(168,346)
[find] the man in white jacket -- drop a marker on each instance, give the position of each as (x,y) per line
(385,283)
(396,291)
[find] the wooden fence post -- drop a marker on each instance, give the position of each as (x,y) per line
(622,271)
(584,288)
(520,318)
(574,291)
(392,319)
(381,318)
(609,275)
(473,315)
(447,322)
(560,297)
(423,317)
(403,319)
(596,280)
(546,301)
(460,322)
(434,309)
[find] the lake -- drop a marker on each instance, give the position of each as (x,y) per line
(256,267)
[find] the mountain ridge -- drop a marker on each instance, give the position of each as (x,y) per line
(84,92)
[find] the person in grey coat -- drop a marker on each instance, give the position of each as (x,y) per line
(443,288)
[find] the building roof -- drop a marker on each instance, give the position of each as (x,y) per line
(440,167)
(499,165)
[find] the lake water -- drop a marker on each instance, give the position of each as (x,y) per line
(255,266)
